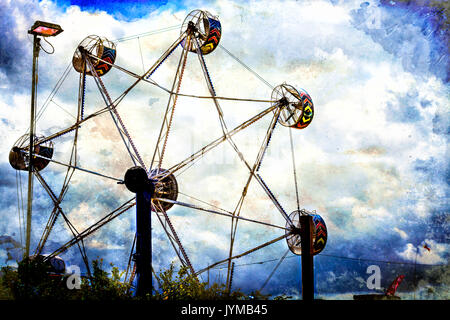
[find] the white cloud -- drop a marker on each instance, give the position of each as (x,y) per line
(401,233)
(421,255)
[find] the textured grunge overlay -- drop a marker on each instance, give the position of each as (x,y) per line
(373,162)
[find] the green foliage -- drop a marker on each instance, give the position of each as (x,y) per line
(7,277)
(187,287)
(33,280)
(101,286)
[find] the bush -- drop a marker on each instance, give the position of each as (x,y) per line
(187,287)
(33,280)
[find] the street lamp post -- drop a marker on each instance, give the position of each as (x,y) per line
(43,29)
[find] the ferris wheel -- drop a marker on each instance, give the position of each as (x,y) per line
(95,57)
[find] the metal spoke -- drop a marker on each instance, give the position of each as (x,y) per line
(243,254)
(152,82)
(172,235)
(294,168)
(77,168)
(274,269)
(158,154)
(58,211)
(106,219)
(274,200)
(150,71)
(126,138)
(226,214)
(255,168)
(200,153)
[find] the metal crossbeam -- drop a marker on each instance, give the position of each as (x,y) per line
(173,237)
(161,143)
(229,214)
(243,254)
(106,219)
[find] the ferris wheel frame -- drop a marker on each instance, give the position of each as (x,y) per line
(285,102)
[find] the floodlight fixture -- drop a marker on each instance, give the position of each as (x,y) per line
(45,29)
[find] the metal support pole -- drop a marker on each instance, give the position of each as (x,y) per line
(143,254)
(137,181)
(306,232)
(36,46)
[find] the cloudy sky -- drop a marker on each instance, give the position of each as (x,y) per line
(373,163)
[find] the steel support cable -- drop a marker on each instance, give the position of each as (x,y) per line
(72,127)
(142,57)
(200,153)
(116,117)
(216,103)
(274,200)
(56,200)
(19,202)
(274,269)
(170,237)
(255,168)
(294,169)
(69,174)
(204,202)
(152,82)
(159,152)
(87,232)
(259,158)
(53,216)
(148,33)
(76,167)
(54,91)
(62,108)
(226,214)
(58,210)
(339,257)
(187,262)
(266,189)
(52,95)
(149,71)
(130,260)
(243,254)
(245,66)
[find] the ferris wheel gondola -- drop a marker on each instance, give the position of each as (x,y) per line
(19,154)
(206,29)
(98,47)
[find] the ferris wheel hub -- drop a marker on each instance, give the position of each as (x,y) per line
(166,187)
(136,180)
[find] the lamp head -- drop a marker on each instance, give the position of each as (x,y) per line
(45,29)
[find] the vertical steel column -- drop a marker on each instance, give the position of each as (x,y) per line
(36,46)
(137,181)
(306,232)
(143,254)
